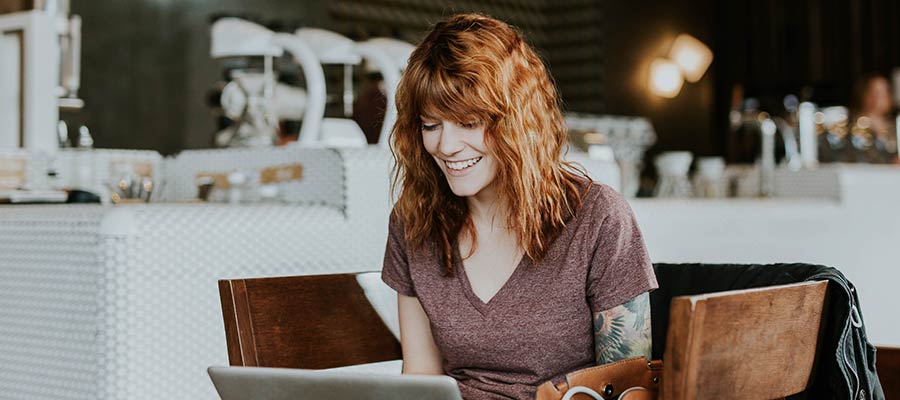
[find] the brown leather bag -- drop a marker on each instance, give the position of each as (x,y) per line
(609,381)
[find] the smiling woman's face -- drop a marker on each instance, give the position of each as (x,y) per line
(461,154)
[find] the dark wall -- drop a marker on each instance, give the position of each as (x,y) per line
(147,70)
(637,33)
(815,49)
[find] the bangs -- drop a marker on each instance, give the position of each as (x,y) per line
(440,94)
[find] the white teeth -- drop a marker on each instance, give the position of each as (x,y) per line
(460,165)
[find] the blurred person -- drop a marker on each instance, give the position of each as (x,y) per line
(369,107)
(512,267)
(874,113)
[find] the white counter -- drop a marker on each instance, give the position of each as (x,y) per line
(121,302)
(859,234)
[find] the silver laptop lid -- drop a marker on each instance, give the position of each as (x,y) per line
(254,383)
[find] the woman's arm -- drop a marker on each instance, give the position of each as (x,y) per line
(623,331)
(420,354)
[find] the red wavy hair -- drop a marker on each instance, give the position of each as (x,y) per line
(473,66)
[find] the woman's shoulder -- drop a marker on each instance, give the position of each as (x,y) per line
(396,223)
(397,229)
(601,196)
(601,202)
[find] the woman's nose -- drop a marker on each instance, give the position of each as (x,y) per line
(451,140)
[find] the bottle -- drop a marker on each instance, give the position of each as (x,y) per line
(84,168)
(709,180)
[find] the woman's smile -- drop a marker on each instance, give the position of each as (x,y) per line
(461,168)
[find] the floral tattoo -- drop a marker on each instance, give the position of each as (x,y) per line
(623,331)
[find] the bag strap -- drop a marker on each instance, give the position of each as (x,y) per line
(608,380)
(581,389)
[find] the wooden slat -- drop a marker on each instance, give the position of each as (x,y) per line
(887,363)
(745,344)
(246,331)
(317,321)
(677,342)
(238,323)
(230,319)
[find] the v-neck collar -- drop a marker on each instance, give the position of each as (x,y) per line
(479,304)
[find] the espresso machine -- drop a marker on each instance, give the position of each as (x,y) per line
(40,57)
(257,103)
(252,101)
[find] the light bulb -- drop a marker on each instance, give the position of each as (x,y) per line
(692,56)
(665,78)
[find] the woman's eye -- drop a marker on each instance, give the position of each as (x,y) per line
(430,127)
(469,125)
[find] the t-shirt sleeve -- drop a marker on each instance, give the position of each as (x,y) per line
(620,267)
(395,271)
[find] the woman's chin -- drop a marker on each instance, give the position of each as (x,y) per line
(461,189)
(470,188)
(463,192)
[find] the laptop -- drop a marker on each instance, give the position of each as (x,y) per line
(256,383)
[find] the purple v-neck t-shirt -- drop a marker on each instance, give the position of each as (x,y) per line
(538,326)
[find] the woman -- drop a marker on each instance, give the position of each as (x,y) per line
(511,267)
(875,113)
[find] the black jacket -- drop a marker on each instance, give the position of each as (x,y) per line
(845,367)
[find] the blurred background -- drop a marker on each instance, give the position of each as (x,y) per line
(149,148)
(146,69)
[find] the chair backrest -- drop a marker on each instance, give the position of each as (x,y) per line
(312,322)
(743,344)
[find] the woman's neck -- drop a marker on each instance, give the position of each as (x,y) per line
(486,209)
(489,216)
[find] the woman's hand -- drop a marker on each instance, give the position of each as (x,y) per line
(420,355)
(623,331)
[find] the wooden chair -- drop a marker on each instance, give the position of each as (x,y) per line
(740,344)
(312,322)
(743,344)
